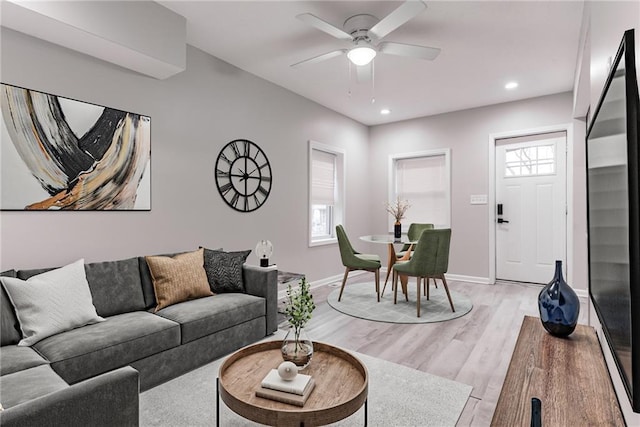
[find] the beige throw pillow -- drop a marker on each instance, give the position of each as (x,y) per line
(179,278)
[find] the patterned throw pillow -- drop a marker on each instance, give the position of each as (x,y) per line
(224,270)
(179,278)
(53,302)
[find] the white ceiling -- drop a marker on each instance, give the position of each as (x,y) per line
(484,45)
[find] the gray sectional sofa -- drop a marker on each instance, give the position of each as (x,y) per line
(92,375)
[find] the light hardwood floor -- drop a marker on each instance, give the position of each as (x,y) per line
(474,349)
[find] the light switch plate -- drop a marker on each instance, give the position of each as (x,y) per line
(478,199)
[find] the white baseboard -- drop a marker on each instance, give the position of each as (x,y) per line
(471,279)
(325,281)
(582,293)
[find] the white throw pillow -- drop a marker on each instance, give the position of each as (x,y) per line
(51,302)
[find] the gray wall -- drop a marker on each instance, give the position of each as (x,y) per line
(467,134)
(198,111)
(193,114)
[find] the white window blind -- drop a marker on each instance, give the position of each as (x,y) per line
(323,175)
(423,182)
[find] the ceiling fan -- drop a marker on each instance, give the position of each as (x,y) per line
(364,30)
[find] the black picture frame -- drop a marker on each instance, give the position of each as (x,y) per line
(613,215)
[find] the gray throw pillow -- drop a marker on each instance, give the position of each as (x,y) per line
(224,270)
(51,302)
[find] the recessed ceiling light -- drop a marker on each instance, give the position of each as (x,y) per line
(511,85)
(385,111)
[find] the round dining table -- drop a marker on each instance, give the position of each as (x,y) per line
(391,241)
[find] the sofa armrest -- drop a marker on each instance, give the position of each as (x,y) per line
(109,399)
(263,282)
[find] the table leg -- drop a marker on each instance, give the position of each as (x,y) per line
(366,411)
(391,254)
(392,260)
(405,279)
(217,402)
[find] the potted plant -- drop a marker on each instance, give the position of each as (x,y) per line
(296,347)
(398,211)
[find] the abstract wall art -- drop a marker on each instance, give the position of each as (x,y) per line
(61,154)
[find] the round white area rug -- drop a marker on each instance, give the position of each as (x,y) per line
(359,300)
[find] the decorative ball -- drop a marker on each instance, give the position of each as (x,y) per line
(287,371)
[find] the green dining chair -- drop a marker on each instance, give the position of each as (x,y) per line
(353,260)
(430,260)
(413,233)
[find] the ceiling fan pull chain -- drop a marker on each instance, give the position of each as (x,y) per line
(349,88)
(373,82)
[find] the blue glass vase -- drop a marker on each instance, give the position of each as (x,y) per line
(559,305)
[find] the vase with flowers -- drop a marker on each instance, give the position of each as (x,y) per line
(296,346)
(398,211)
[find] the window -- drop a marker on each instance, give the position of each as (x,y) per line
(326,192)
(424,180)
(531,160)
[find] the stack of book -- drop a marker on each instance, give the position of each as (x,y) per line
(295,392)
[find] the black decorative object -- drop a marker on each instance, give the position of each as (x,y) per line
(536,412)
(613,207)
(397,230)
(559,305)
(243,175)
(264,250)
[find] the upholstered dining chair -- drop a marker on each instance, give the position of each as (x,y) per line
(430,260)
(413,233)
(353,260)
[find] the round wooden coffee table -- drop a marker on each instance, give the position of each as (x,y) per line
(341,386)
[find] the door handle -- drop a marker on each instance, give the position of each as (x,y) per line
(502,221)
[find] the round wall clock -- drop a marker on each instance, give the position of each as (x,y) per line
(243,175)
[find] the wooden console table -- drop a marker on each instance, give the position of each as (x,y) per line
(568,375)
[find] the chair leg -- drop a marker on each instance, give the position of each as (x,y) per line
(385,284)
(344,280)
(395,287)
(377,274)
(446,288)
(418,298)
(405,287)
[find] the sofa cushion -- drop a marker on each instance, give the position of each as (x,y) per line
(25,274)
(9,326)
(51,302)
(115,286)
(179,278)
(14,358)
(26,385)
(224,270)
(119,340)
(204,316)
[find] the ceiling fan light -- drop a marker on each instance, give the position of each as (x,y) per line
(361,55)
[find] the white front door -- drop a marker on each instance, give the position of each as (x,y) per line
(531,208)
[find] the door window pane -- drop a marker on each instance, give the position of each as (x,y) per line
(530,161)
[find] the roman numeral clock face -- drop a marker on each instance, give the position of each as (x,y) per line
(243,175)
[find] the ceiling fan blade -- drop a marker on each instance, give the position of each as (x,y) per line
(321,25)
(320,58)
(408,10)
(410,50)
(364,72)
